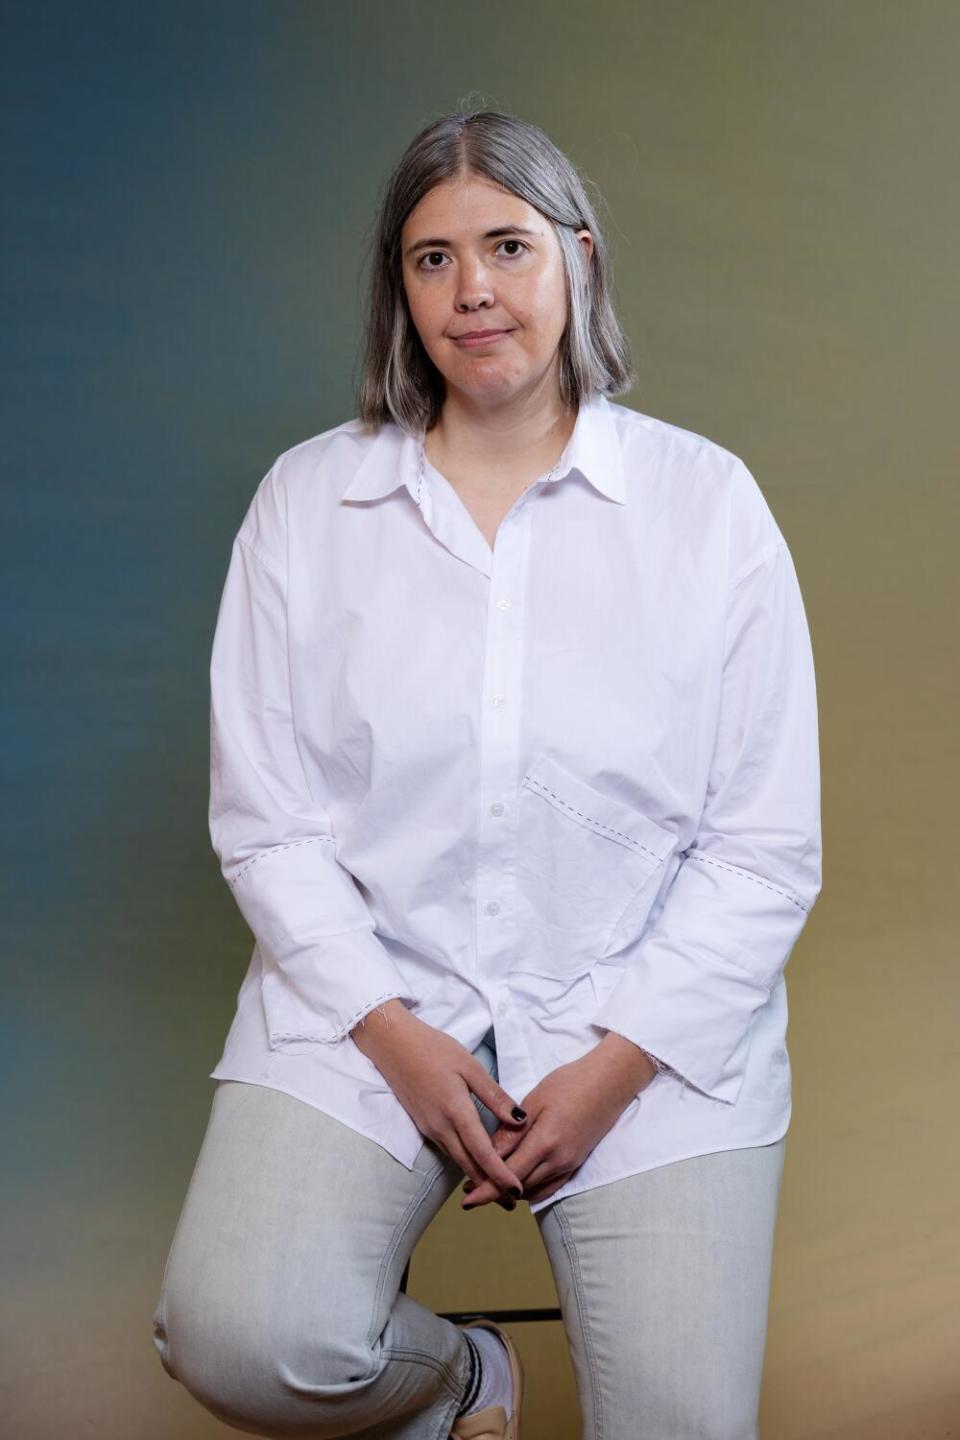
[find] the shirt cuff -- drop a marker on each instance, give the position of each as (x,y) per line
(322,991)
(694,1017)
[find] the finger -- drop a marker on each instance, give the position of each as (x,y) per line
(527,1157)
(547,1182)
(550,1187)
(543,1174)
(505,1142)
(537,1169)
(507,1202)
(462,1150)
(484,1154)
(470,1186)
(452,1146)
(482,1194)
(497,1100)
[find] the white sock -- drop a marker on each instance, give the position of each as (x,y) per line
(496,1384)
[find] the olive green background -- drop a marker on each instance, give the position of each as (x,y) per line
(188,198)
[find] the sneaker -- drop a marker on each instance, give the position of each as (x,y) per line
(493,1423)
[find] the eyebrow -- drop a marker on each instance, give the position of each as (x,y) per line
(487,235)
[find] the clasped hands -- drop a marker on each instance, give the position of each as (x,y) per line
(567,1113)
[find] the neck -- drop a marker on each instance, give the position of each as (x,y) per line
(509,437)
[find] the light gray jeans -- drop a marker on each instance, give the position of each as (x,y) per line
(280,1309)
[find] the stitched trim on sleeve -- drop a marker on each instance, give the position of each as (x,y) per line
(746,874)
(275,849)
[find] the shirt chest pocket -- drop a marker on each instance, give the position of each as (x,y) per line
(583,861)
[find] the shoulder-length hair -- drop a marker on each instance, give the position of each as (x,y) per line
(398,379)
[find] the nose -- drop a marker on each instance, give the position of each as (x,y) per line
(474,288)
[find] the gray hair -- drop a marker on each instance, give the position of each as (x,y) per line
(398,379)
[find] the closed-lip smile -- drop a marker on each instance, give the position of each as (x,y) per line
(476,336)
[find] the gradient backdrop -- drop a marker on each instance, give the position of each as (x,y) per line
(188,199)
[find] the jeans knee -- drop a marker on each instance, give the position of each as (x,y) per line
(263,1377)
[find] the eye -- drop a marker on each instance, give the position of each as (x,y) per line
(429,255)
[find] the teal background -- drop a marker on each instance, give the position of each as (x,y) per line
(189,192)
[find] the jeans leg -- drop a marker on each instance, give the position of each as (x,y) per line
(663,1279)
(280,1308)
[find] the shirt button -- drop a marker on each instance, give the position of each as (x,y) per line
(492,907)
(502,1008)
(503,604)
(499,699)
(496,808)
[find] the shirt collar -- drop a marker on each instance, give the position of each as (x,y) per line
(593,450)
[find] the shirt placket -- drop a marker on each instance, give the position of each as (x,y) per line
(500,741)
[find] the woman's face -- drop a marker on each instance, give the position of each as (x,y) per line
(459,276)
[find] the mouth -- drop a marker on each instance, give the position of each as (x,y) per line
(480,337)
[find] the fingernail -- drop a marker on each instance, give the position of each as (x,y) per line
(507,1204)
(518,1114)
(515,1190)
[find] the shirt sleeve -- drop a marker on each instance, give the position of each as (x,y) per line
(324,967)
(747,883)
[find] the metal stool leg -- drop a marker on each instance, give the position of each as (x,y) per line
(548,1312)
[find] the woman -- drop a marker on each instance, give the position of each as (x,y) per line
(515,781)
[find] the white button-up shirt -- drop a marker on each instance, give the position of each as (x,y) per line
(565,785)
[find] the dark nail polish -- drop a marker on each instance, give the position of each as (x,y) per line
(518,1114)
